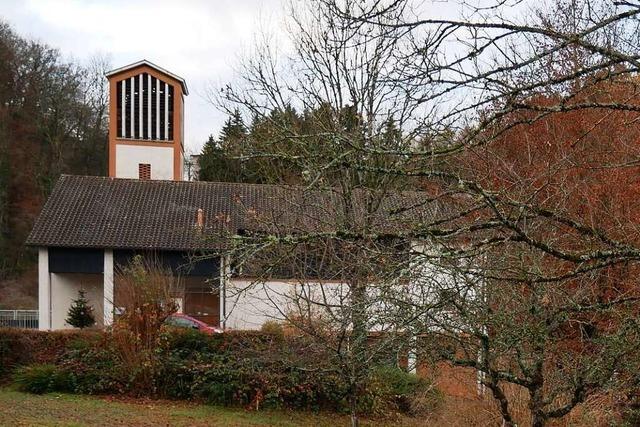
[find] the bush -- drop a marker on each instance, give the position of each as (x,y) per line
(41,379)
(96,369)
(397,382)
(272,327)
(406,392)
(21,347)
(252,369)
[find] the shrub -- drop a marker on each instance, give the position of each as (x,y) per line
(146,291)
(398,382)
(254,369)
(186,342)
(20,347)
(43,378)
(272,327)
(96,369)
(401,390)
(424,402)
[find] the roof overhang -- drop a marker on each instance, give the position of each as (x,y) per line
(119,70)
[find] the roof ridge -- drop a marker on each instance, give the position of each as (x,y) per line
(148,63)
(99,211)
(226,183)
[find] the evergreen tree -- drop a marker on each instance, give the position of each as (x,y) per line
(234,130)
(80,313)
(212,161)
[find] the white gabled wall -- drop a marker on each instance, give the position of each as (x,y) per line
(128,157)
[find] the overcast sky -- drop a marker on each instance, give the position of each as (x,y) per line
(200,40)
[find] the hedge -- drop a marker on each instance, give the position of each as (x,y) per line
(252,369)
(20,347)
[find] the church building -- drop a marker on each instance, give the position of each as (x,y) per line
(91,226)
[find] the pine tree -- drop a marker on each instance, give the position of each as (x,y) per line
(234,130)
(80,313)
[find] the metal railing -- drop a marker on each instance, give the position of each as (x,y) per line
(19,319)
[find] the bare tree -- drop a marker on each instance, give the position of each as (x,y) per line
(556,259)
(399,101)
(337,230)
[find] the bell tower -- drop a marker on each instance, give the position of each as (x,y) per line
(146,122)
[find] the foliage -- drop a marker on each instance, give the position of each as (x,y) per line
(406,392)
(147,293)
(39,379)
(521,129)
(234,155)
(253,369)
(80,313)
(21,347)
(397,381)
(53,120)
(272,327)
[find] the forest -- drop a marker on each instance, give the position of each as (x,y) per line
(53,120)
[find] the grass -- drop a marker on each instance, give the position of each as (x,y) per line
(55,409)
(22,409)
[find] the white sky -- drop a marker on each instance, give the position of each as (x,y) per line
(200,40)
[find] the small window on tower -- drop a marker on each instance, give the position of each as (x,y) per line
(144,171)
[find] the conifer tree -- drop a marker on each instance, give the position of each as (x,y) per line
(80,313)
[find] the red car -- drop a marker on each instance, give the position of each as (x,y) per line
(180,320)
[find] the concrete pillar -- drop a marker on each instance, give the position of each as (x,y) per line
(108,287)
(44,290)
(225,274)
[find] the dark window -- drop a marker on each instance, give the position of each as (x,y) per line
(119,108)
(145,106)
(163,88)
(170,113)
(180,263)
(154,103)
(76,260)
(136,104)
(127,109)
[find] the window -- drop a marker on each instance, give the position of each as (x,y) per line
(144,108)
(180,322)
(144,171)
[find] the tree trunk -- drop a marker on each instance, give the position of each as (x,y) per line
(538,420)
(358,344)
(353,404)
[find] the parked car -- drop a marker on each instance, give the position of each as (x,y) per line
(180,320)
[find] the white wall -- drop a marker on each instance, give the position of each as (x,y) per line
(44,290)
(107,288)
(64,289)
(129,156)
(249,305)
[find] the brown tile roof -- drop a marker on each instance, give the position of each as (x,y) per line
(100,212)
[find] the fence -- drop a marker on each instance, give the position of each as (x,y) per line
(19,319)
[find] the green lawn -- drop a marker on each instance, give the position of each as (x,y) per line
(21,409)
